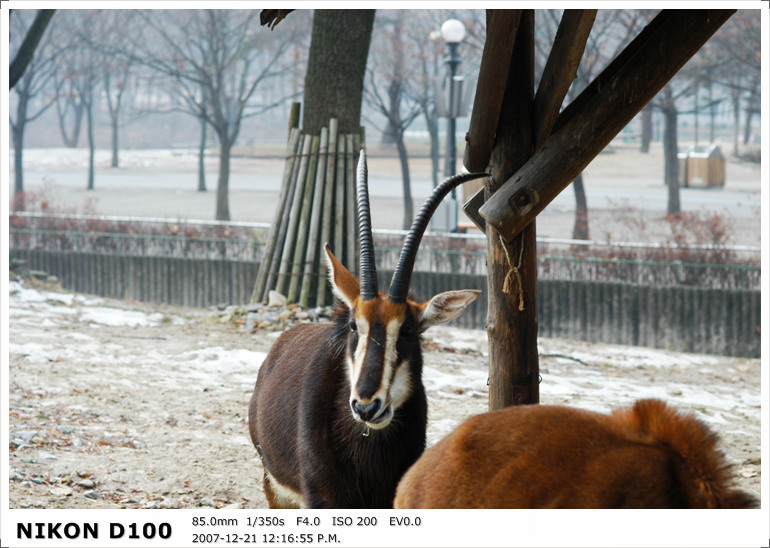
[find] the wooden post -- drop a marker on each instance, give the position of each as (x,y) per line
(294,116)
(351,222)
(313,245)
(316,205)
(512,269)
(304,223)
(561,69)
(272,239)
(291,234)
(501,26)
(339,201)
(322,291)
(275,263)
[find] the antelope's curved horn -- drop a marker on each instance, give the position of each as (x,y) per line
(399,285)
(368,268)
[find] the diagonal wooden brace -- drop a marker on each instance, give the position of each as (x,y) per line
(600,116)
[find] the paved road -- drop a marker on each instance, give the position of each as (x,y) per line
(620,185)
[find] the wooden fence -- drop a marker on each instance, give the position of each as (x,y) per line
(710,321)
(178,281)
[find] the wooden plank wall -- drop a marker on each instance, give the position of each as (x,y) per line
(709,321)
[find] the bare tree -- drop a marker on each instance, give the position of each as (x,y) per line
(426,50)
(217,58)
(701,71)
(114,33)
(387,92)
(31,93)
(76,77)
(611,32)
(81,61)
(667,103)
(736,48)
(69,108)
(159,94)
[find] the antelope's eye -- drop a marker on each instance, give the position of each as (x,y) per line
(352,325)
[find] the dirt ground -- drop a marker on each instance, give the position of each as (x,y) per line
(128,405)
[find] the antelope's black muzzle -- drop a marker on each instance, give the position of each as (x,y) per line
(366,411)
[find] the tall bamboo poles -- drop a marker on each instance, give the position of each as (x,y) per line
(316,204)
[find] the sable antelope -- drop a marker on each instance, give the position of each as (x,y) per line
(548,456)
(339,411)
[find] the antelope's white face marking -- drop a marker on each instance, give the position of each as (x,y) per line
(355,362)
(394,382)
(398,373)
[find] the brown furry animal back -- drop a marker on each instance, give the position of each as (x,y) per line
(702,471)
(539,456)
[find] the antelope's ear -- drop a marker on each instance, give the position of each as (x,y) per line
(445,307)
(344,285)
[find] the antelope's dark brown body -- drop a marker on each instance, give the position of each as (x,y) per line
(300,419)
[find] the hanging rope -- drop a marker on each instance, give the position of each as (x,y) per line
(513,284)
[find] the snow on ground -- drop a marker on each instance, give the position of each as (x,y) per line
(118,404)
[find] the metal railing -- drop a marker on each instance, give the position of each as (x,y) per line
(137,245)
(727,267)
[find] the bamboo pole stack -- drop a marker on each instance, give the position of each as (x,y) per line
(316,205)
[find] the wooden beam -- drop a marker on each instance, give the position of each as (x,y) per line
(498,47)
(589,128)
(512,268)
(561,69)
(502,26)
(611,70)
(472,206)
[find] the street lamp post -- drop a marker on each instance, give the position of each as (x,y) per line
(453,32)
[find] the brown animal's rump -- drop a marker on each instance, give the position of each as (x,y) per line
(543,456)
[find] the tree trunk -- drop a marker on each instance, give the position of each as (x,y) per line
(17,131)
(113,107)
(670,152)
(334,82)
(70,140)
(388,136)
(114,121)
(747,125)
(696,113)
(753,101)
(580,229)
(512,315)
(431,120)
(201,158)
(406,180)
(735,95)
(646,137)
(91,145)
(712,112)
(223,204)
